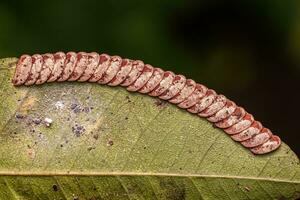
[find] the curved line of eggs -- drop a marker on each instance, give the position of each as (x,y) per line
(139,77)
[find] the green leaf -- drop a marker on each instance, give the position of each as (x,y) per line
(107,143)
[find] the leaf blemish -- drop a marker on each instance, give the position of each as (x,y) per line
(160,104)
(55,188)
(91,148)
(20,116)
(78,130)
(110,143)
(59,105)
(247,189)
(31,152)
(76,108)
(75,198)
(37,121)
(96,136)
(128,99)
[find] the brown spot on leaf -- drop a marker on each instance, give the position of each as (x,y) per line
(110,143)
(31,152)
(96,136)
(77,108)
(128,99)
(160,104)
(91,148)
(55,188)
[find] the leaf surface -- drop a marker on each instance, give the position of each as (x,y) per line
(106,143)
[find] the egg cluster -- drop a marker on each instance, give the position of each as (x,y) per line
(139,77)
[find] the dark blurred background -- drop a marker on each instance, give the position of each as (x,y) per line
(247,49)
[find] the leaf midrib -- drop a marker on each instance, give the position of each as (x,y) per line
(12,173)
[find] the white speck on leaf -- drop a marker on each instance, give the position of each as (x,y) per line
(59,105)
(48,121)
